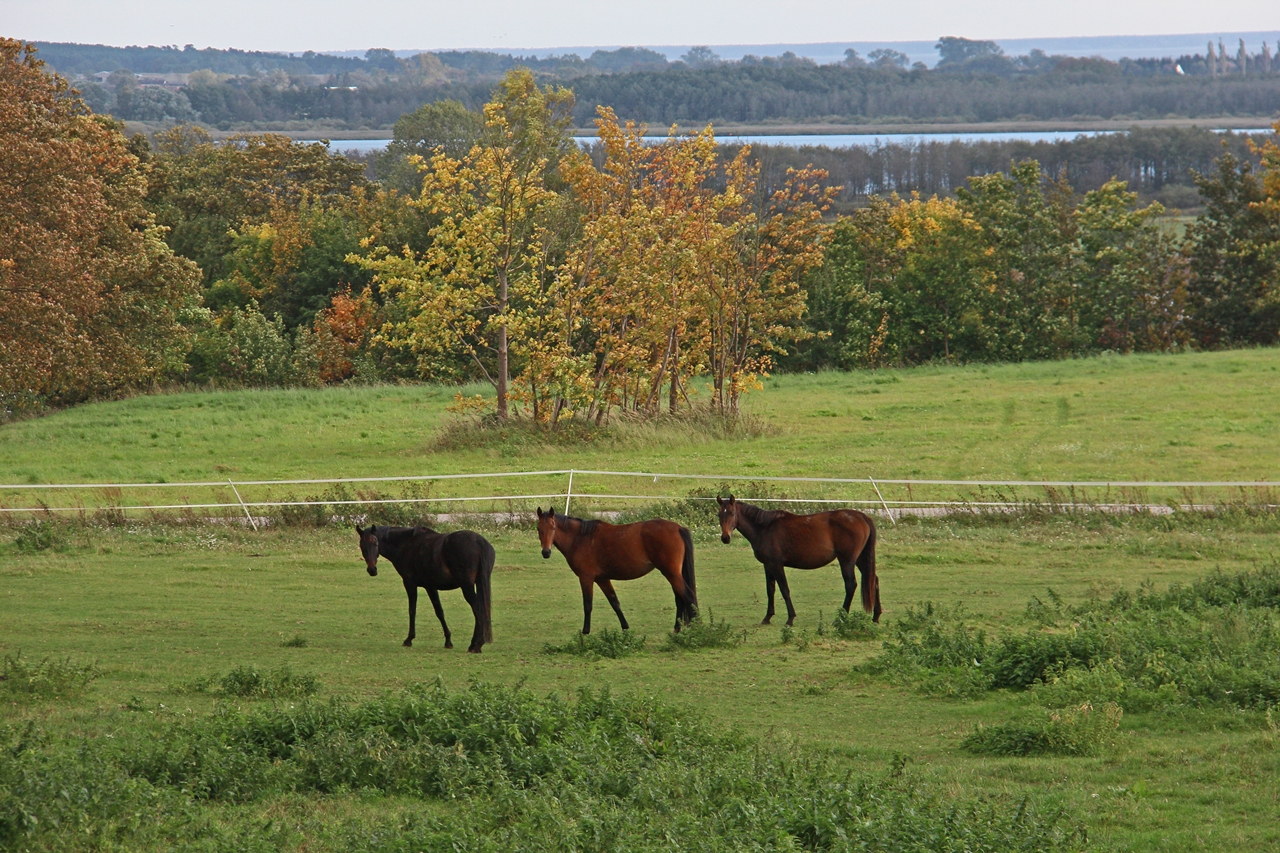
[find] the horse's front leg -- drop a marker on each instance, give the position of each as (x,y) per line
(435,602)
(769,583)
(607,588)
(588,592)
(411,590)
(786,594)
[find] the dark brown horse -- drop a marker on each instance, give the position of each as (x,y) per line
(599,553)
(781,539)
(435,561)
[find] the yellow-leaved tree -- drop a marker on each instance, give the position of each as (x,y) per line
(482,284)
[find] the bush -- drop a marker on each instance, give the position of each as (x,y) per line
(1082,730)
(22,679)
(607,643)
(705,634)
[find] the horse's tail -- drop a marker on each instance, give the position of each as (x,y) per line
(484,588)
(870,581)
(686,571)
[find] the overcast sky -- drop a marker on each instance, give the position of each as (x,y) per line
(296,25)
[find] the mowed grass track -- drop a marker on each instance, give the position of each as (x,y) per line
(1197,416)
(161,607)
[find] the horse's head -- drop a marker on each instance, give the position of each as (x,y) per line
(369,548)
(546,531)
(728,518)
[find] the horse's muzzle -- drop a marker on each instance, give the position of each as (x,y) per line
(546,553)
(373,571)
(724,537)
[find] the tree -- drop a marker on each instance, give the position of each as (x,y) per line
(954,50)
(486,270)
(1235,253)
(446,126)
(91,298)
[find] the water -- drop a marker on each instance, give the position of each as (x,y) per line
(831,140)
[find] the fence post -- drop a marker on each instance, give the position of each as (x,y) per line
(252,523)
(568,493)
(887,511)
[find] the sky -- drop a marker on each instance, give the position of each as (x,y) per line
(332,25)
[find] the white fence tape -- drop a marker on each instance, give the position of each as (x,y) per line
(580,495)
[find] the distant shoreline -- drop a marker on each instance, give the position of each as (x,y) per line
(815,128)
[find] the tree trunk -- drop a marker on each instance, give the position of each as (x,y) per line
(503,352)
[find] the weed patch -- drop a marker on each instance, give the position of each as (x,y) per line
(705,634)
(606,643)
(40,535)
(249,682)
(1082,730)
(22,679)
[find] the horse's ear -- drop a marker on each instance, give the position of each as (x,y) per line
(359,531)
(719,500)
(538,510)
(732,499)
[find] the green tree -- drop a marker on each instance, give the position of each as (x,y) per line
(445,126)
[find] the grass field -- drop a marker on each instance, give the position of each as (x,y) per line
(167,610)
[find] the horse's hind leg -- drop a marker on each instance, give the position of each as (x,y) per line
(850,582)
(435,602)
(477,636)
(607,588)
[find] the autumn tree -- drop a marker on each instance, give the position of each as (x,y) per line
(91,297)
(486,272)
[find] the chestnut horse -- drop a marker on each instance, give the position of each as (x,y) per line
(781,539)
(599,553)
(435,561)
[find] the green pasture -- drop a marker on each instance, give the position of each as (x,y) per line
(165,610)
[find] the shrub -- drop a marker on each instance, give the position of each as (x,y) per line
(1083,730)
(607,643)
(851,625)
(22,679)
(705,634)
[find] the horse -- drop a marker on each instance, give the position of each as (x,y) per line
(435,561)
(780,539)
(600,553)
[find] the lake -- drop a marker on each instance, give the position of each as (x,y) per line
(831,140)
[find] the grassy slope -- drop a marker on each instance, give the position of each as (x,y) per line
(1195,416)
(160,606)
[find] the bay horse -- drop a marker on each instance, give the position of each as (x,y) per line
(600,553)
(781,539)
(435,561)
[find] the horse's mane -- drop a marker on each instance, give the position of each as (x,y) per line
(760,517)
(395,535)
(588,525)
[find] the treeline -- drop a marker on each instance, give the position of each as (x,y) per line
(973,82)
(1159,163)
(762,93)
(577,283)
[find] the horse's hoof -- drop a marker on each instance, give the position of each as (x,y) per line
(766,620)
(474,650)
(408,643)
(448,644)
